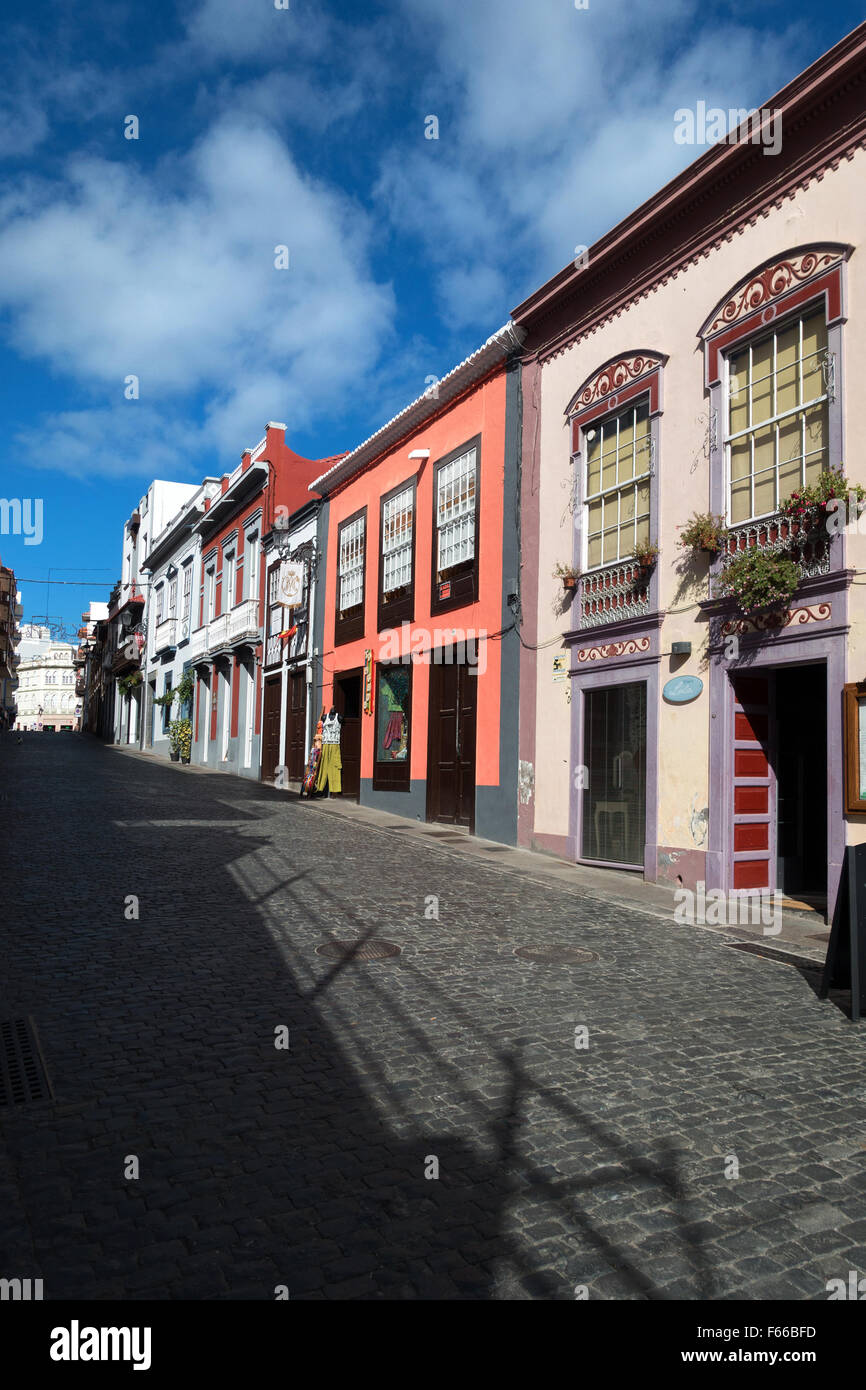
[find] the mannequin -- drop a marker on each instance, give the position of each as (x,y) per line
(331,765)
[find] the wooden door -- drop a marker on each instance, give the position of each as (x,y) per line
(347,701)
(451,744)
(271,728)
(754,829)
(296,726)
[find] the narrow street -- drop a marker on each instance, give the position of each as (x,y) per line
(312,1166)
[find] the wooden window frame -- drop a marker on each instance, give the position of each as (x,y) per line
(392,612)
(633,404)
(464,586)
(745,343)
(854,804)
(350,627)
(392,777)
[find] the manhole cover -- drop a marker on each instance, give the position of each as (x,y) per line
(357,950)
(555,955)
(23,1076)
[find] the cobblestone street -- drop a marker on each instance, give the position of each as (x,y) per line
(609,1167)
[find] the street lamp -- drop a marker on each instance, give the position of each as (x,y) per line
(281,535)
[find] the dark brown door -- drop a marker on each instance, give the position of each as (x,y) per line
(296,726)
(270,729)
(347,701)
(451,746)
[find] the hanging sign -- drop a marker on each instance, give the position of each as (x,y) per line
(682,689)
(290,587)
(368,681)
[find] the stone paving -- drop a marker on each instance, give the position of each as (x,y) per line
(609,1168)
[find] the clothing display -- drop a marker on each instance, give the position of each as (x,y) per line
(312,769)
(394,731)
(331,764)
(330,768)
(331,730)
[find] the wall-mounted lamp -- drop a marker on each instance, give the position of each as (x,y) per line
(420,454)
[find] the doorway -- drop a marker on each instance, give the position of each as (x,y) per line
(347,702)
(451,741)
(296,725)
(270,728)
(614,775)
(780,782)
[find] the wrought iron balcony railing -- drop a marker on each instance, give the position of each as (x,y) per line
(615,592)
(808,546)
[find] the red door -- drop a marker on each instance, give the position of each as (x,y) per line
(754,856)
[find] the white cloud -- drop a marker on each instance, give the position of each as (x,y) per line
(170,275)
(556,122)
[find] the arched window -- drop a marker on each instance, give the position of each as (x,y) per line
(772,353)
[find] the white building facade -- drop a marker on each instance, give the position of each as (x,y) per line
(174,566)
(47,701)
(130,613)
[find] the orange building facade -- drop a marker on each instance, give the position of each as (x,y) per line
(419,647)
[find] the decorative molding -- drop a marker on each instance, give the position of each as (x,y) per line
(635,644)
(734,226)
(613,377)
(761,622)
(769,284)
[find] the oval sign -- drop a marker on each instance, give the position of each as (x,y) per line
(682,689)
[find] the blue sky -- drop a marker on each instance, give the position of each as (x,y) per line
(305,127)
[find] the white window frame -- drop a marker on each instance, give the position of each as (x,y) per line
(398,512)
(456,513)
(775,419)
(618,488)
(352,558)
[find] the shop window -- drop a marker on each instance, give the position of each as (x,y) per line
(393,721)
(614,797)
(455,528)
(352,551)
(397,557)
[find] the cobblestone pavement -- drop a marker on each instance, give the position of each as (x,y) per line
(558,1166)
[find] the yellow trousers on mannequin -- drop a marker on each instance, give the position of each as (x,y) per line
(330,769)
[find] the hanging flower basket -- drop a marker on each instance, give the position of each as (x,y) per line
(828,495)
(703,532)
(760,581)
(645,557)
(568,574)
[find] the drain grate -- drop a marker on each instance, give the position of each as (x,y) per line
(23,1077)
(555,955)
(357,950)
(754,948)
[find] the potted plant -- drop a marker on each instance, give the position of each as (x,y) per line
(180,737)
(703,532)
(645,554)
(810,505)
(759,580)
(568,574)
